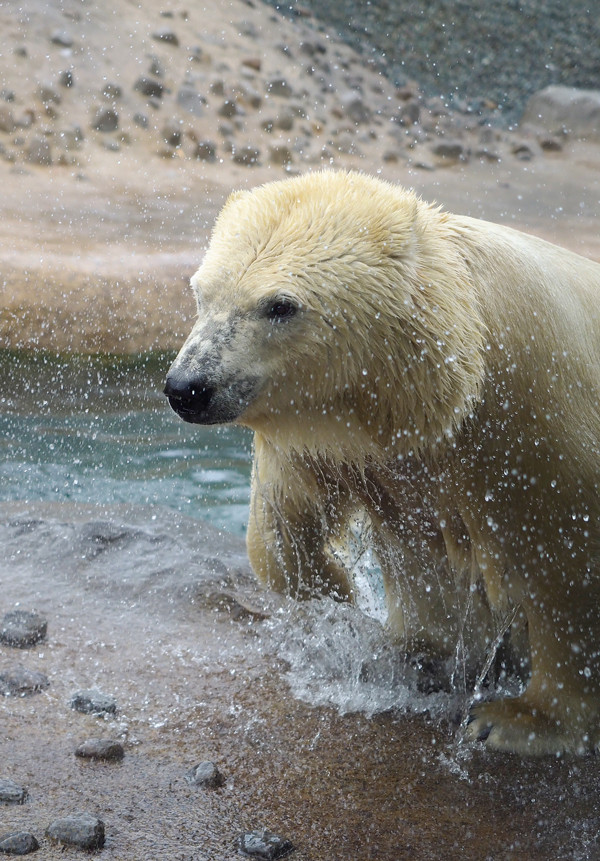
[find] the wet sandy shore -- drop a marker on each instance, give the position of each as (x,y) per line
(150,608)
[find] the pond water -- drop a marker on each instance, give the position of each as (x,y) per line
(98,430)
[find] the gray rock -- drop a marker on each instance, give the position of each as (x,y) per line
(62,39)
(11,792)
(112,91)
(171,132)
(285,120)
(65,79)
(228,109)
(450,150)
(105,120)
(264,845)
(71,138)
(410,113)
(556,108)
(205,774)
(20,681)
(217,87)
(247,155)
(18,843)
(354,108)
(156,67)
(279,87)
(196,54)
(166,35)
(100,748)
(79,829)
(141,120)
(280,154)
(7,120)
(21,629)
(191,100)
(522,151)
(205,151)
(48,94)
(149,87)
(93,702)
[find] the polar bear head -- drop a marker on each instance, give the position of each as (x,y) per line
(318,308)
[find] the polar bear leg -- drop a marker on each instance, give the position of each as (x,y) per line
(559,711)
(287,550)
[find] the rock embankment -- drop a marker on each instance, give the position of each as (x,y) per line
(246,87)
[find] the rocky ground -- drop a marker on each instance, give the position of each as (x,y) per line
(123,129)
(160,616)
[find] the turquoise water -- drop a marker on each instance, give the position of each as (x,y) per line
(99,430)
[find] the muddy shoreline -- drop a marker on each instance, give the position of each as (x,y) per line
(197,679)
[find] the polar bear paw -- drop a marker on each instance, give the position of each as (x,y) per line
(520,727)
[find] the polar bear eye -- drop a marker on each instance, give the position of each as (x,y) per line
(282,309)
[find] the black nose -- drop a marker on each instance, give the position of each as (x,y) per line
(189,396)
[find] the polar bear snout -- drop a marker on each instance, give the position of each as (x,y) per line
(189,396)
(208,399)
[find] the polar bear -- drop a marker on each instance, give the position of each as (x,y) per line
(440,376)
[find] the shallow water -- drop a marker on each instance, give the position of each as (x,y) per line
(99,430)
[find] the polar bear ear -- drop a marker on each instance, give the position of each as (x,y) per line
(238,194)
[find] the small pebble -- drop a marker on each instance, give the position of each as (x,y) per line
(11,792)
(149,87)
(62,39)
(20,681)
(79,829)
(20,628)
(264,845)
(247,155)
(100,748)
(105,120)
(93,702)
(18,843)
(205,774)
(167,36)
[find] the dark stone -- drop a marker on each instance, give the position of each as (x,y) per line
(205,774)
(141,120)
(149,87)
(264,845)
(191,100)
(93,702)
(105,120)
(62,39)
(48,94)
(452,150)
(168,36)
(79,829)
(11,792)
(7,120)
(20,681)
(247,155)
(112,91)
(18,843)
(100,748)
(21,629)
(65,79)
(228,109)
(279,87)
(39,151)
(171,132)
(205,151)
